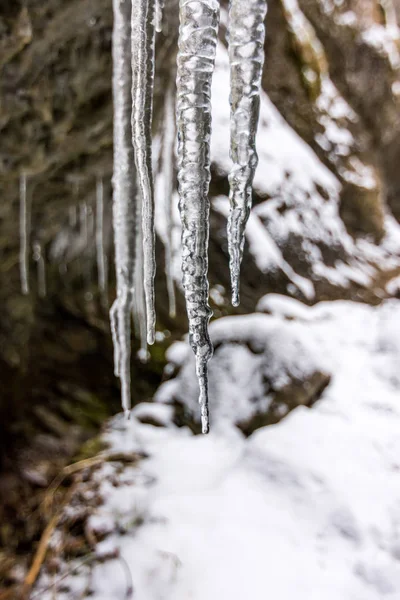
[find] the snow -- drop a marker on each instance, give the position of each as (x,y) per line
(284,306)
(393,286)
(335,116)
(385,39)
(255,357)
(307,509)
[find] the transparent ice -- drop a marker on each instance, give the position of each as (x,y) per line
(198,33)
(143,41)
(124,206)
(246,56)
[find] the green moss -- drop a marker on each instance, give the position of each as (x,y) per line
(157,353)
(89,414)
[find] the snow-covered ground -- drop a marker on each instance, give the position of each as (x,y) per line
(308,509)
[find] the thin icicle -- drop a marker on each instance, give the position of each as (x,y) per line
(198,32)
(87,232)
(124,210)
(139,305)
(246,54)
(100,254)
(168,158)
(24,233)
(143,40)
(83,224)
(41,269)
(73,218)
(159,15)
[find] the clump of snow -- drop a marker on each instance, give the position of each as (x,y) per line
(308,508)
(334,115)
(360,174)
(255,357)
(393,286)
(157,414)
(283,306)
(348,18)
(385,40)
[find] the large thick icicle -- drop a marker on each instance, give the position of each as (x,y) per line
(198,32)
(246,55)
(124,210)
(168,160)
(24,233)
(143,40)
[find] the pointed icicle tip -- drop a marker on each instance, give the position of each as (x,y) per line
(205,425)
(235,296)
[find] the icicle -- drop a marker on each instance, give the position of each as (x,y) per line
(124,210)
(73,219)
(197,45)
(100,254)
(246,54)
(83,225)
(24,232)
(168,172)
(41,269)
(159,15)
(143,38)
(87,232)
(139,305)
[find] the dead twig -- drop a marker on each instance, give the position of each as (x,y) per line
(41,551)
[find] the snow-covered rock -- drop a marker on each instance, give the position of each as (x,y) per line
(261,369)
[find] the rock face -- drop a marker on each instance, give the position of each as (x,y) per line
(324,225)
